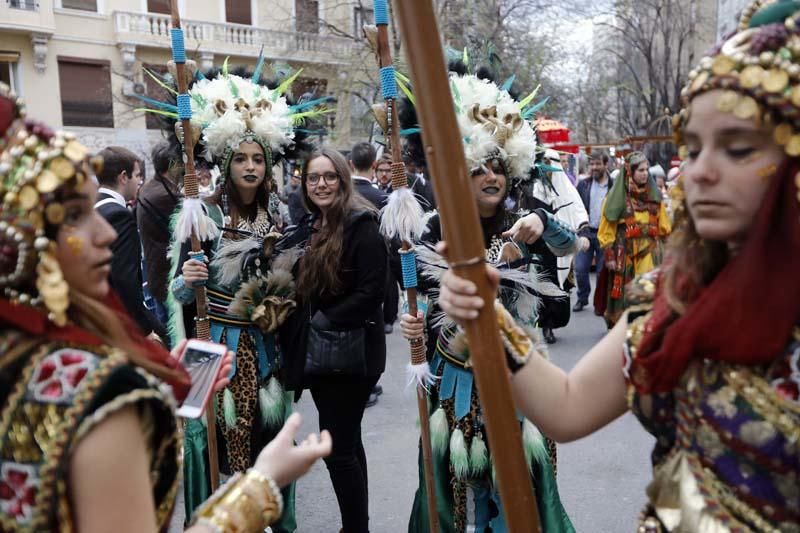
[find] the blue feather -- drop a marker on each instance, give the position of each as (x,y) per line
(528,113)
(310,104)
(155,103)
(259,67)
(508,83)
(410,131)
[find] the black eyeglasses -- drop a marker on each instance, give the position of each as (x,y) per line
(329,177)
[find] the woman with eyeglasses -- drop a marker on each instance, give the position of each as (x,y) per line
(340,286)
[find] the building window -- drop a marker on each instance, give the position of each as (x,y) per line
(86,98)
(307,16)
(83,5)
(361,16)
(159,6)
(238,12)
(155,121)
(8,69)
(30,5)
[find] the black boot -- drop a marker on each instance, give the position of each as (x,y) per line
(548,335)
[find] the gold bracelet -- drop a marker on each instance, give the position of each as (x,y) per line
(518,345)
(246,504)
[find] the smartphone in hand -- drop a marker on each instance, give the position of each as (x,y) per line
(202,361)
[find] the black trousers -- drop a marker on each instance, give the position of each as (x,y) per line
(340,402)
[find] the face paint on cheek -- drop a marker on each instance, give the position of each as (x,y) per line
(767,172)
(75,245)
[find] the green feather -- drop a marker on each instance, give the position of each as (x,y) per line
(528,99)
(456,94)
(160,83)
(465,57)
(402,77)
(229,408)
(407,92)
(459,458)
(298,118)
(199,99)
(478,455)
(284,86)
(225,67)
(156,112)
(234,88)
(440,433)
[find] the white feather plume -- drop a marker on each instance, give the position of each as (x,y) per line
(402,217)
(194,221)
(420,375)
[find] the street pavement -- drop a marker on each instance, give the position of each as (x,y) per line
(601,478)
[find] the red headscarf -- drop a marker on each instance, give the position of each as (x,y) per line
(747,313)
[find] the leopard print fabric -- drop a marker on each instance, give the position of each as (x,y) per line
(244,386)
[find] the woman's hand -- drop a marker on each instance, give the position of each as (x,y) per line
(527,229)
(611,265)
(194,271)
(223,378)
(583,244)
(458,297)
(285,462)
(412,327)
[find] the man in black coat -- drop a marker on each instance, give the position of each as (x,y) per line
(362,165)
(119,180)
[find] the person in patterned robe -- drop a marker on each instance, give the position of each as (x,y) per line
(710,341)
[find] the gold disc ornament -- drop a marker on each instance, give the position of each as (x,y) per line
(782,134)
(793,146)
(722,65)
(27,197)
(752,76)
(776,80)
(55,213)
(746,108)
(47,182)
(727,101)
(62,168)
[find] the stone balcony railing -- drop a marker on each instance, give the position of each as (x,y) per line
(152,30)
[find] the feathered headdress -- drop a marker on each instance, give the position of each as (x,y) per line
(492,122)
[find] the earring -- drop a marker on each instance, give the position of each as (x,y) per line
(53,289)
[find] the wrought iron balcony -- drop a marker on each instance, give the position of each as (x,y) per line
(148,29)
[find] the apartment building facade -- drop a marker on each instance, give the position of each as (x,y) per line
(78,63)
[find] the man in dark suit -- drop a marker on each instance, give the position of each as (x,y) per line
(119,181)
(362,166)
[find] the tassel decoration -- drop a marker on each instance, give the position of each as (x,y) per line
(229,408)
(440,433)
(533,444)
(478,455)
(271,402)
(459,458)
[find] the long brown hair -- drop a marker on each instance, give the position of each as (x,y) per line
(319,271)
(691,262)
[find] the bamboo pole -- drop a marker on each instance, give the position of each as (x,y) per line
(459,216)
(191,190)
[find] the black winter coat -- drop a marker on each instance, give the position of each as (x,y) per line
(363,274)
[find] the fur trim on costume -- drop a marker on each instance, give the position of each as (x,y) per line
(403,217)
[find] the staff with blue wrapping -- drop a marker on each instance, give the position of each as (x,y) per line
(402,219)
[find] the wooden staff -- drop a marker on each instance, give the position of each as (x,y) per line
(191,195)
(466,253)
(400,181)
